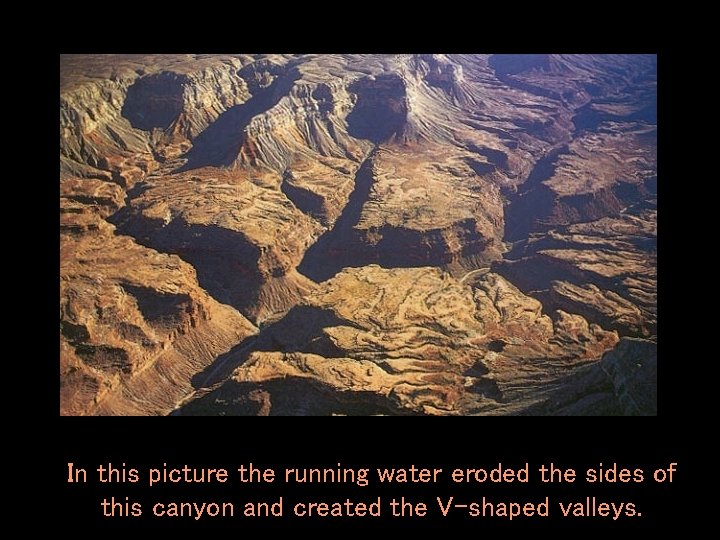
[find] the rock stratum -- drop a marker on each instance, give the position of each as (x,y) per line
(358,234)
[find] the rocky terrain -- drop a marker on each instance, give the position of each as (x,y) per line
(358,234)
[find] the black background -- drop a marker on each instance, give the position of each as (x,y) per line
(647,443)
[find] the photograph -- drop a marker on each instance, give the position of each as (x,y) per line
(358,235)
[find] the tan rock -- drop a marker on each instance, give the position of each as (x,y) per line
(410,341)
(134,325)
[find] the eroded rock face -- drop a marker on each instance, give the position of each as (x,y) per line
(595,176)
(320,188)
(351,207)
(134,323)
(142,114)
(414,205)
(407,341)
(623,383)
(243,240)
(605,270)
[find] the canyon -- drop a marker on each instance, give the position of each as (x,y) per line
(358,234)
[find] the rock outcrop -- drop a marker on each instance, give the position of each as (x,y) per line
(146,110)
(243,240)
(605,270)
(135,326)
(405,341)
(413,205)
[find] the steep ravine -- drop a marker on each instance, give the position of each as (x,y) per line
(409,234)
(333,250)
